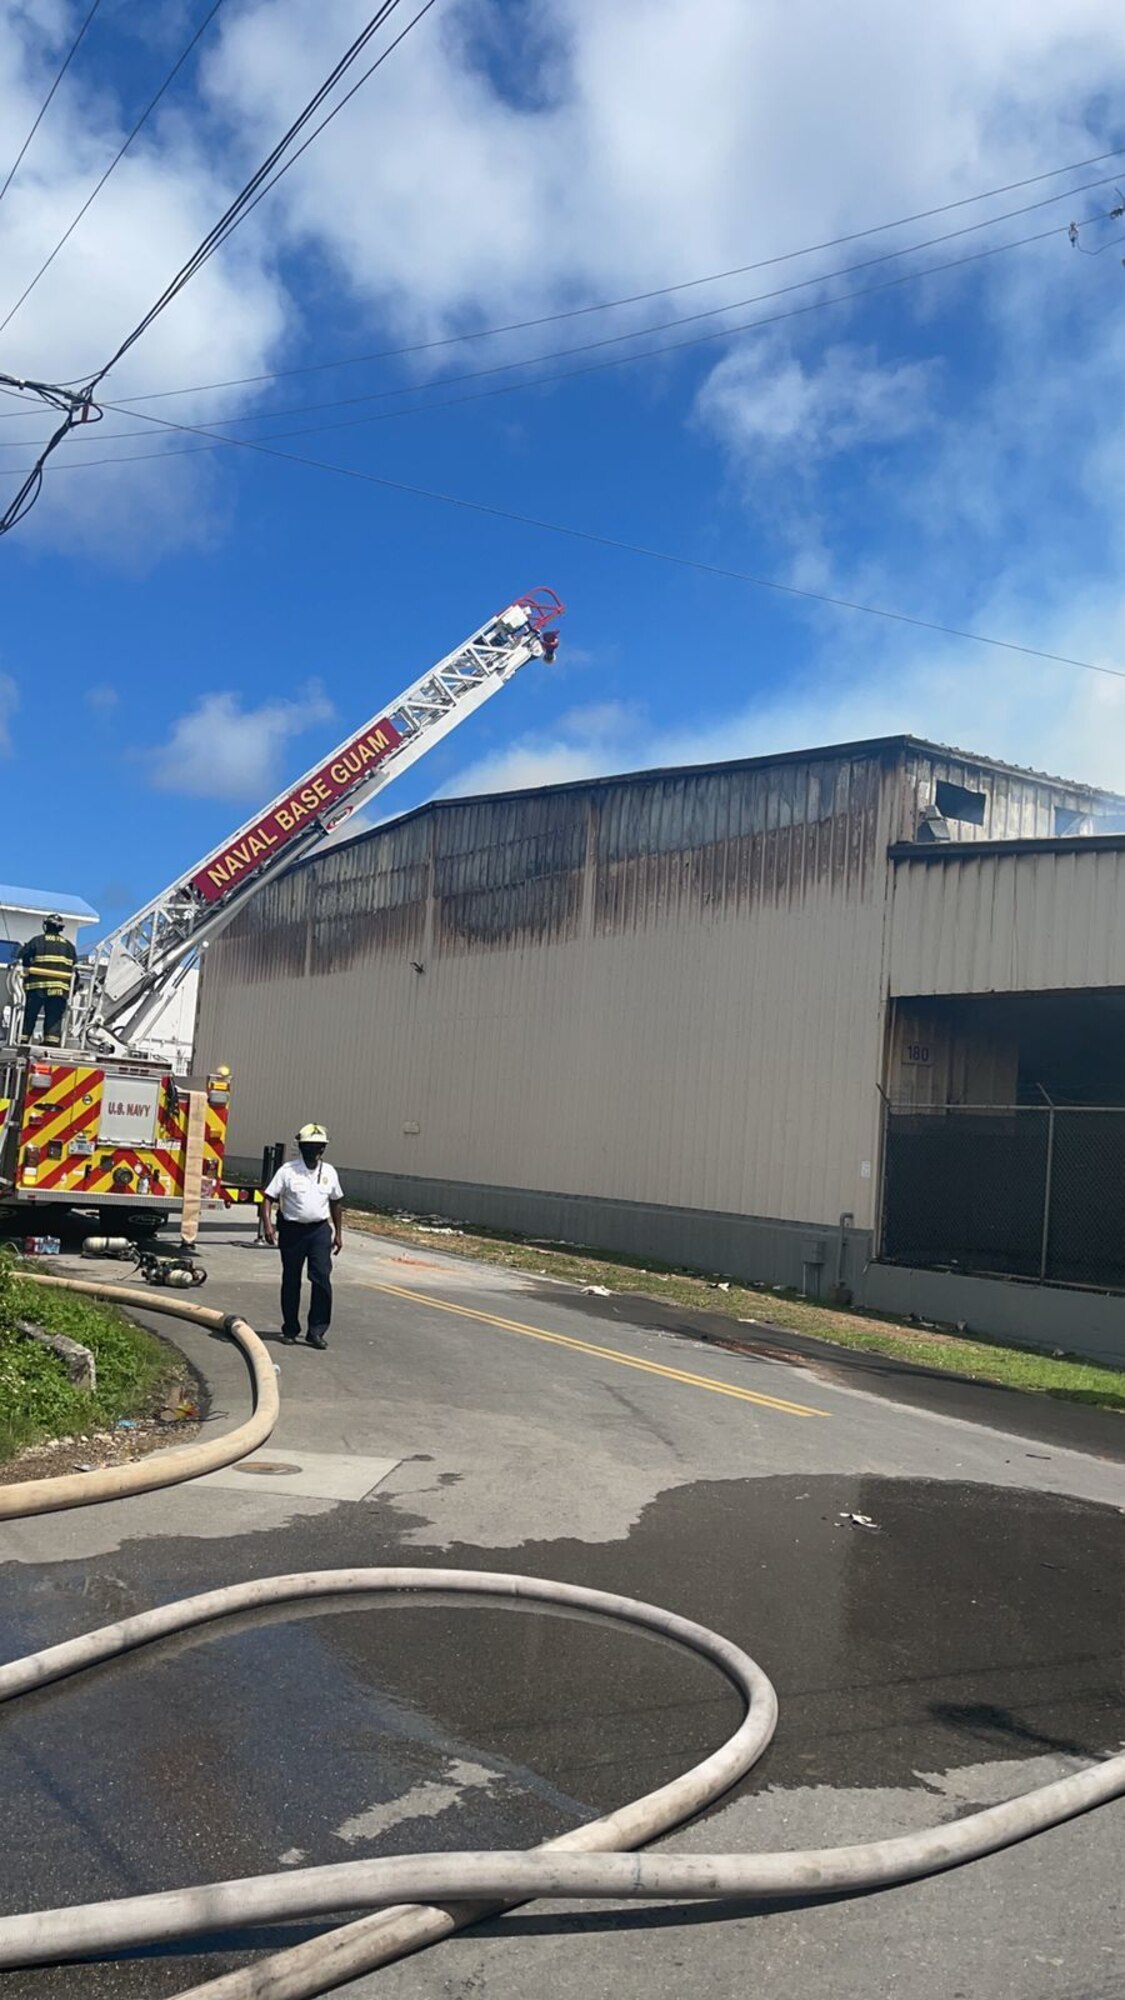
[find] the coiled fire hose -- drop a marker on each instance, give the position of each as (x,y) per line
(435,1894)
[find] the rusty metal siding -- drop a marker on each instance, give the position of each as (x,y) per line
(361,905)
(1042,921)
(665,989)
(507,871)
(1019,805)
(731,839)
(357,900)
(269,939)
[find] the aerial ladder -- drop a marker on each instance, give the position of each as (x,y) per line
(99,1127)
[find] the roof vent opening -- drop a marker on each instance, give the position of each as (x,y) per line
(957,802)
(1069,822)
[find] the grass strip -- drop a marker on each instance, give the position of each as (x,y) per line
(976,1356)
(134,1368)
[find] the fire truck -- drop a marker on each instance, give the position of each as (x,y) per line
(95,1127)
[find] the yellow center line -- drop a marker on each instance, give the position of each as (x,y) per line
(602,1353)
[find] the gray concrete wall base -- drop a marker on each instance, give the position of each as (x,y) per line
(759,1250)
(1045,1317)
(754,1248)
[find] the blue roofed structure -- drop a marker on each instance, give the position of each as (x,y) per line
(41,902)
(22,912)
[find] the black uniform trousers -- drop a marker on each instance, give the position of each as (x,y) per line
(53,1007)
(305,1243)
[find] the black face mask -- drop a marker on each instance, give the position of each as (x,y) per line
(312,1155)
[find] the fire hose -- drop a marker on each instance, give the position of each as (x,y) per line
(432,1895)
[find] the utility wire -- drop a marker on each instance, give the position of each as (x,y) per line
(68,59)
(419,389)
(634,298)
(1112,215)
(346,99)
(622,547)
(150,107)
(82,404)
(433,403)
(219,438)
(76,407)
(265,176)
(28,492)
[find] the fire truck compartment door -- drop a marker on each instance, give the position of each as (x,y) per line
(128,1115)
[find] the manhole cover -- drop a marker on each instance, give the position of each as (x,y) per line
(267,1465)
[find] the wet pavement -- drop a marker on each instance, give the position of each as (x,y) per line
(968,1625)
(969,1641)
(1019,1413)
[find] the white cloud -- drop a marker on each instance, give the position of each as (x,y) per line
(584,742)
(1055,719)
(587,151)
(762,400)
(219,750)
(167,191)
(1059,719)
(548,760)
(603,148)
(9,702)
(102,699)
(600,719)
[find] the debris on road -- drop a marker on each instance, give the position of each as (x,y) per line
(861,1521)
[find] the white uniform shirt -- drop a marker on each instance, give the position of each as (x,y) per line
(305,1192)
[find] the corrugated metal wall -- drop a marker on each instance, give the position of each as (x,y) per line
(1018,805)
(663,990)
(937,1057)
(1038,921)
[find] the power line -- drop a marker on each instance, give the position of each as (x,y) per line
(227,223)
(76,407)
(265,176)
(68,59)
(638,298)
(1111,215)
(264,190)
(346,99)
(640,333)
(150,107)
(541,381)
(220,438)
(622,547)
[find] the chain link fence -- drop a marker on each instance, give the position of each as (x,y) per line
(1007,1190)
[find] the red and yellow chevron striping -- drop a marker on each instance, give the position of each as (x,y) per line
(59,1151)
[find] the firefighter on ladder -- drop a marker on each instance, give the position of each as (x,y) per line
(48,962)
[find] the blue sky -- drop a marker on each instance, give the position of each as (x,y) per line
(180,638)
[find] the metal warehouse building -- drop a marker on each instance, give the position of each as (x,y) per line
(848,1018)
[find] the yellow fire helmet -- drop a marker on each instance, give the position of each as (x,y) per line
(312,1135)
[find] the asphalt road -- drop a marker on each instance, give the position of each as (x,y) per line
(966,1646)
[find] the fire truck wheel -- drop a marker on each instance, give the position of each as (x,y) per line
(148,1222)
